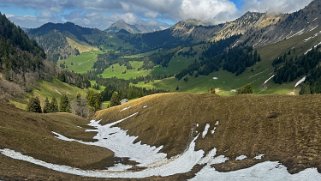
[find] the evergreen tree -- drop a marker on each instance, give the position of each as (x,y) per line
(65,104)
(47,106)
(94,100)
(54,105)
(115,99)
(34,105)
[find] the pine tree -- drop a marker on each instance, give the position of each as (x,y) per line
(54,105)
(115,99)
(65,104)
(94,100)
(47,106)
(34,105)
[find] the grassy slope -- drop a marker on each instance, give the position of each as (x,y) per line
(45,89)
(283,128)
(30,134)
(122,72)
(226,81)
(81,47)
(272,51)
(255,75)
(81,63)
(176,65)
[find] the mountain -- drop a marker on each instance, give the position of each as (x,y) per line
(202,48)
(122,25)
(19,55)
(287,26)
(69,28)
(135,29)
(257,29)
(61,40)
(249,22)
(194,30)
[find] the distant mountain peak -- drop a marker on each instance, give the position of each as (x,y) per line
(135,29)
(192,22)
(252,16)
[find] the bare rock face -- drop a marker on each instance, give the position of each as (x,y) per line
(287,26)
(250,21)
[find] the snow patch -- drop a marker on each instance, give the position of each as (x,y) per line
(213,130)
(117,140)
(300,81)
(242,157)
(314,36)
(126,108)
(119,167)
(265,82)
(144,107)
(215,78)
(259,157)
(315,46)
(268,171)
(314,28)
(219,159)
(123,145)
(179,164)
(296,34)
(207,126)
(61,137)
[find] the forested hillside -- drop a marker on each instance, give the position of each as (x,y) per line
(290,67)
(19,55)
(220,55)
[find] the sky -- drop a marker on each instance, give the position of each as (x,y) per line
(102,13)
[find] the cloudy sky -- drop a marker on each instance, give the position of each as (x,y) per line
(102,13)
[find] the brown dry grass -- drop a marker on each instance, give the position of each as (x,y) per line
(284,128)
(30,134)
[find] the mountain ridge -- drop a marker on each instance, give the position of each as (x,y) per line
(135,28)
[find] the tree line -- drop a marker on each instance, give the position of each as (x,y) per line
(34,105)
(290,67)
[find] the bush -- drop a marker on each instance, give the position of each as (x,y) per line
(245,90)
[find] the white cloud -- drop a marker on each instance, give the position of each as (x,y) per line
(278,6)
(128,17)
(101,13)
(207,9)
